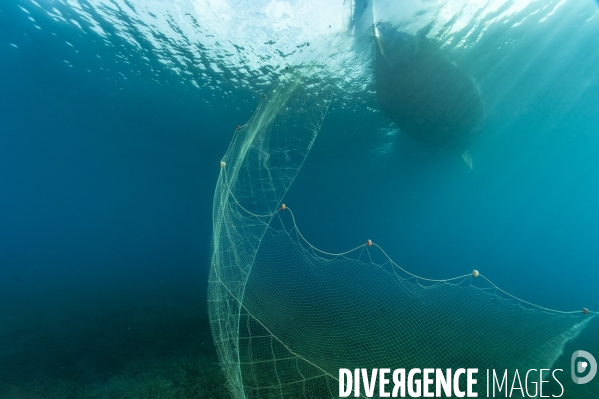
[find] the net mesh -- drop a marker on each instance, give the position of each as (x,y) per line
(287,316)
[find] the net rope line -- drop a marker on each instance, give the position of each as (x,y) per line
(391,261)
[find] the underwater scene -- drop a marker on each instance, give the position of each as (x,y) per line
(299,199)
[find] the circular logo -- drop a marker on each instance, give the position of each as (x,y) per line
(579,367)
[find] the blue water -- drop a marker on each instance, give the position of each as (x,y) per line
(112,128)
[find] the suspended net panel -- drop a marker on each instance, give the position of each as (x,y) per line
(346,313)
(262,161)
(264,158)
(304,316)
(287,316)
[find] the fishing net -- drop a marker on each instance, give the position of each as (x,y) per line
(286,316)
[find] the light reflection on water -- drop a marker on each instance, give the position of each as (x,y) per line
(248,43)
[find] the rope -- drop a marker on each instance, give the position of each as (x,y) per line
(241,206)
(312,246)
(362,246)
(529,303)
(414,275)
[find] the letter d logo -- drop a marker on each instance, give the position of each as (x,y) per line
(580,367)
